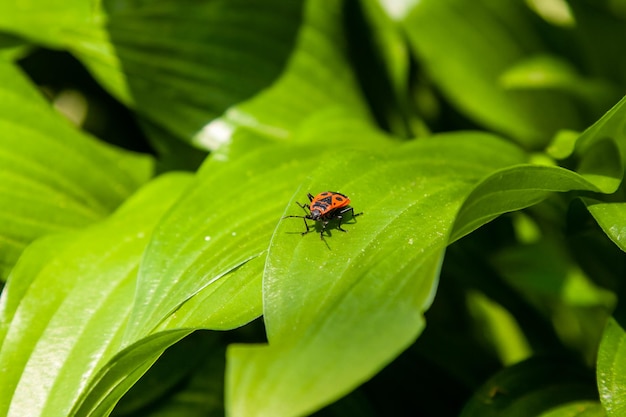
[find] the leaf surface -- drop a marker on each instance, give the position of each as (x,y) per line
(338,310)
(67,302)
(611,369)
(53,177)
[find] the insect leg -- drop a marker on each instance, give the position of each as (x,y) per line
(323,229)
(304,207)
(340,217)
(307,226)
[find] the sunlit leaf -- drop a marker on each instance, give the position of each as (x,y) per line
(67,302)
(208,244)
(338,310)
(316,85)
(512,189)
(53,177)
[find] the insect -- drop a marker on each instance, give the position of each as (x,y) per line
(325,207)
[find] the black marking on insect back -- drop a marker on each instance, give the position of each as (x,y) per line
(319,205)
(327,200)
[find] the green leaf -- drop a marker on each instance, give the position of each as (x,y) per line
(338,310)
(467,47)
(513,189)
(542,71)
(66,305)
(536,387)
(602,149)
(209,243)
(549,72)
(317,88)
(178,63)
(611,369)
(122,371)
(53,177)
(185,62)
(612,219)
(577,409)
(48,22)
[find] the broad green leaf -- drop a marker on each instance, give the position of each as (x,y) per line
(536,387)
(48,22)
(601,150)
(612,219)
(208,244)
(467,47)
(338,310)
(316,85)
(53,177)
(513,189)
(62,325)
(611,369)
(178,63)
(185,62)
(121,372)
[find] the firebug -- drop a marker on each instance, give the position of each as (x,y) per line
(325,207)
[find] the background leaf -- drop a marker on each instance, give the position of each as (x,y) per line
(468,46)
(180,64)
(611,218)
(318,90)
(53,177)
(536,387)
(601,150)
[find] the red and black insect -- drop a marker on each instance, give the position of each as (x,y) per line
(325,207)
